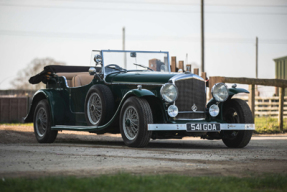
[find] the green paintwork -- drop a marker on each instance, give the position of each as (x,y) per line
(67,103)
(141,93)
(140,77)
(233,91)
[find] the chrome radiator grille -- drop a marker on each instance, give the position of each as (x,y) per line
(190,92)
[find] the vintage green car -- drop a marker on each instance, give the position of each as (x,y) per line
(135,93)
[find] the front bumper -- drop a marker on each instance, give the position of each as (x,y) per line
(201,127)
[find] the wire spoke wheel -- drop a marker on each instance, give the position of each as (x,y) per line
(131,123)
(94,108)
(135,116)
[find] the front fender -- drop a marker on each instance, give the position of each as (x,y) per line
(234,91)
(139,93)
(38,96)
(231,92)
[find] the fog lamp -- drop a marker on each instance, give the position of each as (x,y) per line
(213,110)
(172,111)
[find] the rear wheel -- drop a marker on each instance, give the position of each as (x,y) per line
(42,123)
(237,111)
(135,116)
(99,105)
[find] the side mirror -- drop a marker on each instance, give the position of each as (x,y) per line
(92,71)
(133,54)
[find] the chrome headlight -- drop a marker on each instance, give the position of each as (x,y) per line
(169,92)
(219,92)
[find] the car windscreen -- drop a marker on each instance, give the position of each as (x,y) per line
(133,60)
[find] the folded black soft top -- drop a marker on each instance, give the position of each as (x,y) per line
(66,69)
(44,76)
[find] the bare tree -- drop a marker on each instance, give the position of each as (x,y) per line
(33,68)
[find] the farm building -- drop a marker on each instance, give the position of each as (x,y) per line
(281,70)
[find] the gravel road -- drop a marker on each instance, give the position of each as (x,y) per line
(84,154)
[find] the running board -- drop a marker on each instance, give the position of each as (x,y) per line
(78,127)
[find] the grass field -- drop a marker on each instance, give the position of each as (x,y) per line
(150,183)
(269,125)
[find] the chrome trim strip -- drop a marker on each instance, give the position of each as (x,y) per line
(192,112)
(183,76)
(135,83)
(166,127)
(76,128)
(65,81)
(198,119)
(182,127)
(238,126)
(125,51)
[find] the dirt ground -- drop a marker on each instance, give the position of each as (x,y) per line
(85,154)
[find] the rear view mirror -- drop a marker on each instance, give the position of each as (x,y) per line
(133,54)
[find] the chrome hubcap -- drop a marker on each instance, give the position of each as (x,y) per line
(94,108)
(131,123)
(41,122)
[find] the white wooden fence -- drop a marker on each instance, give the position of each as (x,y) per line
(267,106)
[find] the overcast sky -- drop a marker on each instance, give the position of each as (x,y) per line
(67,31)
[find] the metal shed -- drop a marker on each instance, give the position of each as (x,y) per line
(281,70)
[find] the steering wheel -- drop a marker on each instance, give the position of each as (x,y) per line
(114,66)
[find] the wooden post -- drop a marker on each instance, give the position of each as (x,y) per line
(203,75)
(256,61)
(173,64)
(281,108)
(188,67)
(195,71)
(181,65)
(251,99)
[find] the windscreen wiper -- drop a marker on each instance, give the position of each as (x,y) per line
(143,66)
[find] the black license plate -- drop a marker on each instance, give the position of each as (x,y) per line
(202,127)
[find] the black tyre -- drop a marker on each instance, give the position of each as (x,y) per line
(237,111)
(135,116)
(99,105)
(42,123)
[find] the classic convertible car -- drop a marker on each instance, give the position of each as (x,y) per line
(135,94)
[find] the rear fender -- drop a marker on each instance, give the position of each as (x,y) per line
(38,96)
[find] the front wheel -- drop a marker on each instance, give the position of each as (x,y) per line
(42,123)
(237,111)
(135,116)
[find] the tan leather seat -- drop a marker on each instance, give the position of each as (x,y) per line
(82,79)
(70,76)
